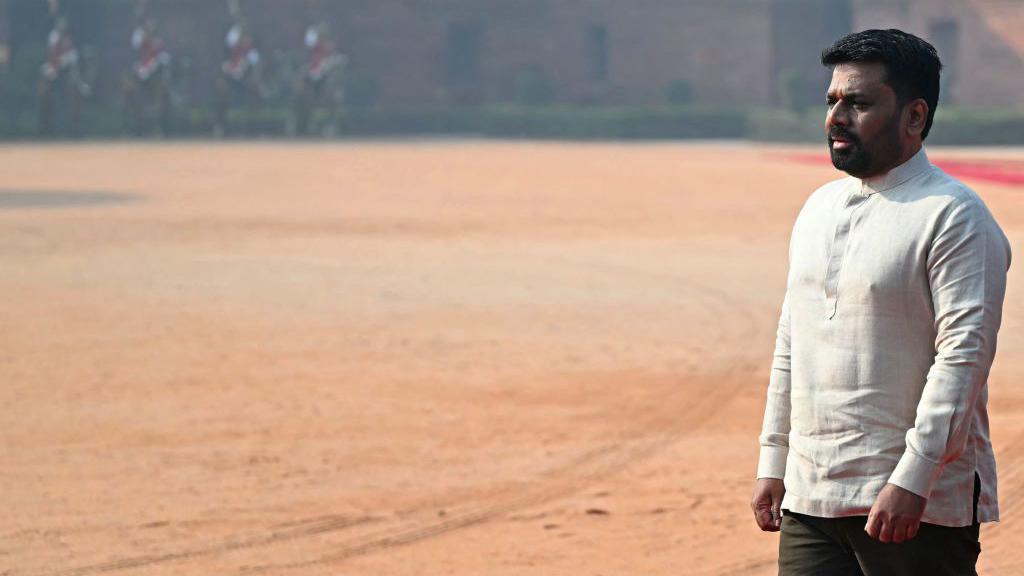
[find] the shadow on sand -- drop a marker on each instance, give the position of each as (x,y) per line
(46,199)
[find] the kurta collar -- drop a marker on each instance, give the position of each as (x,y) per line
(917,164)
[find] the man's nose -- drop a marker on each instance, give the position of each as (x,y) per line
(838,115)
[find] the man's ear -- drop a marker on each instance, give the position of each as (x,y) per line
(916,115)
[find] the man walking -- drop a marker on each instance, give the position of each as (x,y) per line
(875,453)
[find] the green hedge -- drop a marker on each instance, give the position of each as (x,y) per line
(769,125)
(553,122)
(492,121)
(952,126)
(977,127)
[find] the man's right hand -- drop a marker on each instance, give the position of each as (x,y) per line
(767,503)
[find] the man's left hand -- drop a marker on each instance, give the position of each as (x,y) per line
(896,515)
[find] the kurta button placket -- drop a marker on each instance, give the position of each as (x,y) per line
(840,243)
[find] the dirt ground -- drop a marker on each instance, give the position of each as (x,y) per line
(408,358)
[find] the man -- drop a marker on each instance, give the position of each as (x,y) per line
(241,78)
(151,56)
(61,86)
(875,453)
(149,79)
(242,56)
(323,54)
(320,81)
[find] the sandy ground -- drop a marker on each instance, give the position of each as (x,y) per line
(407,358)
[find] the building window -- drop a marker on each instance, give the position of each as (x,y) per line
(462,54)
(596,46)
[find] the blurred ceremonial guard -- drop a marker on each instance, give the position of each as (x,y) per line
(320,83)
(61,86)
(150,77)
(240,81)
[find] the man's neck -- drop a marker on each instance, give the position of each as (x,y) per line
(906,153)
(906,169)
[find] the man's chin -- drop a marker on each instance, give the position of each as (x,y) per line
(839,157)
(847,159)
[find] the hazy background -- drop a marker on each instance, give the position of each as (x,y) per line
(535,68)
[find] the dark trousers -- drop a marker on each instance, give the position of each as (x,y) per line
(813,546)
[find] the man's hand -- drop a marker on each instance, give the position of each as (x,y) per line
(767,503)
(896,515)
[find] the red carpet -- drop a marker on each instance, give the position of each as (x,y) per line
(1010,173)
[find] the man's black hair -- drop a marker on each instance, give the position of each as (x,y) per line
(912,65)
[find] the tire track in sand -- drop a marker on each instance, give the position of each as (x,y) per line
(595,465)
(564,480)
(298,529)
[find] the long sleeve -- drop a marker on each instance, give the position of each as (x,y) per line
(966,269)
(774,438)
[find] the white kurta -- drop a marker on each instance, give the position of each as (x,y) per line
(888,329)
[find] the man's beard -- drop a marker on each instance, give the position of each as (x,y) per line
(859,161)
(853,159)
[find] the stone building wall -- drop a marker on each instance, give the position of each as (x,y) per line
(983,67)
(439,52)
